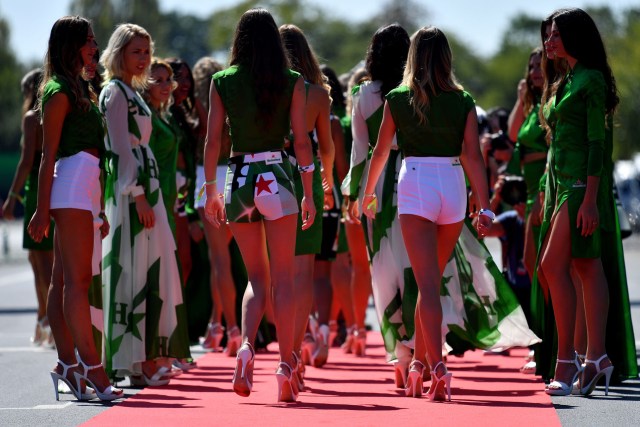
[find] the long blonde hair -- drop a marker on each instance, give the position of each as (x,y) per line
(429,69)
(113,56)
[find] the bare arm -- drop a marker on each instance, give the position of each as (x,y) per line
(516,117)
(341,163)
(325,144)
(214,210)
(55,111)
(30,127)
(378,160)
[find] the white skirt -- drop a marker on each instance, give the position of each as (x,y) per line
(76,183)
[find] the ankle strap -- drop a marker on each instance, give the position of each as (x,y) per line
(286,365)
(596,362)
(248,344)
(66,367)
(435,368)
(414,363)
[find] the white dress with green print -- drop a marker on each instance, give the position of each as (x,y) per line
(144,313)
(477,304)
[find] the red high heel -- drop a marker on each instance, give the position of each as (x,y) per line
(243,374)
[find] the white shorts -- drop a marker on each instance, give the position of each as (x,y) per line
(76,183)
(433,188)
(221,176)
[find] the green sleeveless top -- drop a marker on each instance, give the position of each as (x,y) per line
(443,133)
(531,136)
(164,145)
(81,130)
(236,90)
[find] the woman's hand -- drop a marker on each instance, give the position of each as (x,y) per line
(308,212)
(6,211)
(483,225)
(353,212)
(370,205)
(214,210)
(39,225)
(587,219)
(145,212)
(522,89)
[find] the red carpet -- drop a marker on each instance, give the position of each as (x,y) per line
(486,390)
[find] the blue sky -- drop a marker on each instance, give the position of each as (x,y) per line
(478,23)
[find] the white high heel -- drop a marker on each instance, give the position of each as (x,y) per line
(286,389)
(414,379)
(440,385)
(558,388)
(321,353)
(234,341)
(213,337)
(401,372)
(108,394)
(243,374)
(88,394)
(606,372)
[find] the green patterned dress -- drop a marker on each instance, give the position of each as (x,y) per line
(145,317)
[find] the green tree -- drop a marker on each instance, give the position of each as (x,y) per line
(11,99)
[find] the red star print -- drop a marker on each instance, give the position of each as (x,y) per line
(263,185)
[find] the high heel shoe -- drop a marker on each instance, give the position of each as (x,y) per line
(321,353)
(439,384)
(308,347)
(234,341)
(360,342)
(347,346)
(414,379)
(108,394)
(401,370)
(299,377)
(286,389)
(213,337)
(575,390)
(333,332)
(243,374)
(558,388)
(158,378)
(606,372)
(88,394)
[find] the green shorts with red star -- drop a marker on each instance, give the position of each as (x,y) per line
(259,186)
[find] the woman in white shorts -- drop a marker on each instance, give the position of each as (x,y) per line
(436,126)
(70,192)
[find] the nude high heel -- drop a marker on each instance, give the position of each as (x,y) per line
(606,373)
(286,389)
(401,372)
(243,374)
(299,375)
(360,342)
(234,341)
(414,379)
(439,385)
(108,394)
(215,332)
(321,353)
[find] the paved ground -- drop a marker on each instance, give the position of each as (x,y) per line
(25,388)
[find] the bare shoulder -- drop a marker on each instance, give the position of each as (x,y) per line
(318,95)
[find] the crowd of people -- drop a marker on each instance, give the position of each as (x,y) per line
(382,181)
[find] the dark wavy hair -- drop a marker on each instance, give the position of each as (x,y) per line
(68,35)
(258,47)
(338,100)
(176,64)
(29,87)
(581,39)
(532,94)
(387,55)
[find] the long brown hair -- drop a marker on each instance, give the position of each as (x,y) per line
(532,93)
(429,69)
(29,87)
(257,46)
(63,59)
(301,56)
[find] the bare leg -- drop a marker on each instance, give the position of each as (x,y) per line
(183,242)
(580,331)
(341,283)
(322,292)
(361,272)
(74,245)
(304,296)
(556,261)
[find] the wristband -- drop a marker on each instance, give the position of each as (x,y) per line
(213,181)
(306,169)
(16,196)
(487,213)
(370,195)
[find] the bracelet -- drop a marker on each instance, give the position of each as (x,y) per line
(370,195)
(16,196)
(306,169)
(213,181)
(487,213)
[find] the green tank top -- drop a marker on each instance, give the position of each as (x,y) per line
(443,133)
(531,136)
(235,88)
(81,130)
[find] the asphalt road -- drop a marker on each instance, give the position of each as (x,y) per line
(26,397)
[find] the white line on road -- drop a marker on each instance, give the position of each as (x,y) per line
(38,407)
(23,349)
